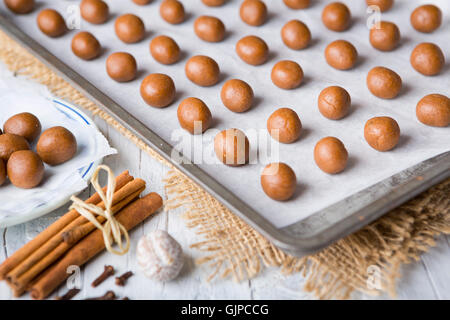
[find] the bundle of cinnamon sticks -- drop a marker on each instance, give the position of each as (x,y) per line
(41,265)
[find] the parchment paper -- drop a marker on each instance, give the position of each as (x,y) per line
(60,182)
(316,189)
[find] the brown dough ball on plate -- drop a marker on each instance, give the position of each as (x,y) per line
(278,181)
(129,28)
(252,50)
(330,155)
(385,36)
(24,124)
(194,115)
(383,5)
(334,102)
(94,11)
(296,35)
(434,110)
(10,143)
(336,16)
(20,6)
(172,11)
(121,66)
(384,83)
(382,133)
(142,2)
(209,28)
(232,147)
(202,70)
(85,46)
(287,74)
(165,50)
(25,169)
(2,172)
(56,145)
(341,55)
(213,3)
(51,23)
(237,95)
(253,12)
(296,4)
(426,18)
(284,125)
(428,59)
(158,90)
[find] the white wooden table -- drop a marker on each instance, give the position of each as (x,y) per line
(426,279)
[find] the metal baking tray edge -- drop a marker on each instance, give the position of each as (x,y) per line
(301,238)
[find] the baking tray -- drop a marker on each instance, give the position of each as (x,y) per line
(304,237)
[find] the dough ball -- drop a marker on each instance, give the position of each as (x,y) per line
(253,12)
(129,28)
(121,66)
(384,83)
(23,124)
(2,172)
(284,125)
(158,90)
(194,115)
(20,6)
(434,110)
(51,23)
(172,11)
(428,59)
(426,18)
(296,4)
(202,70)
(56,145)
(336,16)
(164,50)
(85,46)
(10,143)
(237,95)
(287,74)
(142,2)
(385,36)
(296,35)
(341,55)
(330,155)
(94,11)
(383,5)
(25,169)
(209,28)
(213,3)
(382,133)
(334,102)
(232,147)
(252,50)
(278,181)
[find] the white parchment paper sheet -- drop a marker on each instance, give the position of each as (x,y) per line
(316,189)
(60,182)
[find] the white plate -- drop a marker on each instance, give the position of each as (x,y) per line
(86,172)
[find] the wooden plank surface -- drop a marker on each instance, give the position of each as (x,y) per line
(426,279)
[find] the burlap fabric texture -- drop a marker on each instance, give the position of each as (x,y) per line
(233,249)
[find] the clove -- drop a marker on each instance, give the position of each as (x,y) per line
(108,272)
(109,295)
(121,281)
(69,294)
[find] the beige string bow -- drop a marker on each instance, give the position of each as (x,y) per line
(112,230)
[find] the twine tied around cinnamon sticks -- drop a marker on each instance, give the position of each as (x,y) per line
(112,230)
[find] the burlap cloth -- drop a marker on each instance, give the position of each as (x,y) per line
(234,249)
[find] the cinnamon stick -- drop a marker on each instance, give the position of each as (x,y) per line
(11,262)
(93,244)
(26,271)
